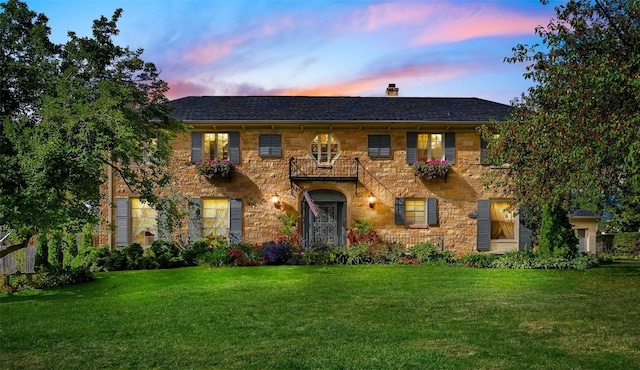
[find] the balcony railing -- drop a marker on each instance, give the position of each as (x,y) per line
(341,169)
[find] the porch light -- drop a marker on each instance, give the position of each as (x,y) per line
(275,199)
(372,201)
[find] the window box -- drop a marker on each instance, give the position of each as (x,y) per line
(431,169)
(215,168)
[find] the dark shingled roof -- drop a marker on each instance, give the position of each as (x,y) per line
(316,108)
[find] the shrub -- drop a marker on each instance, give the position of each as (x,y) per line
(42,252)
(91,258)
(56,250)
(115,261)
(166,254)
(192,254)
(429,253)
(216,256)
(557,238)
(584,261)
(276,253)
(57,276)
(628,243)
(477,259)
(133,253)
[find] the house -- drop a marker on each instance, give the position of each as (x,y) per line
(329,161)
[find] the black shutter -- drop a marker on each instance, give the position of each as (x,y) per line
(122,222)
(234,147)
(450,147)
(374,146)
(412,147)
(432,211)
(235,220)
(196,146)
(195,220)
(399,211)
(484,224)
(524,236)
(276,146)
(484,150)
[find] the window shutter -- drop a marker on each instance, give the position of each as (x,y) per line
(374,146)
(235,220)
(276,146)
(450,147)
(379,146)
(484,150)
(484,224)
(399,211)
(432,212)
(195,220)
(385,146)
(234,147)
(122,222)
(412,147)
(524,236)
(269,145)
(196,146)
(163,227)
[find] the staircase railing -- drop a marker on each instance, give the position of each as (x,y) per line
(374,185)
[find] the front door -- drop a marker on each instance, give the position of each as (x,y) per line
(328,226)
(324,227)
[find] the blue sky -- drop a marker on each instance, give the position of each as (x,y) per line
(429,48)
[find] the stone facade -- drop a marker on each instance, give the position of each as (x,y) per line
(257,180)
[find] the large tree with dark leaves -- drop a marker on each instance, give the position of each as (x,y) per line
(574,137)
(71,113)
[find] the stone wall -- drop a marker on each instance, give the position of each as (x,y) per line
(257,179)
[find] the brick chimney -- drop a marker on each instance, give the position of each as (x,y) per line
(392,90)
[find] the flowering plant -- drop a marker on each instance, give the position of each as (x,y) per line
(215,168)
(430,169)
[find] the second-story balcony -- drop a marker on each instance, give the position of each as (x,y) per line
(308,169)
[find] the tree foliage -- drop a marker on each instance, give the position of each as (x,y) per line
(557,238)
(573,139)
(70,113)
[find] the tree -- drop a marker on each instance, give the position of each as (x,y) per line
(573,139)
(557,238)
(70,113)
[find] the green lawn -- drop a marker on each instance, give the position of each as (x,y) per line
(347,317)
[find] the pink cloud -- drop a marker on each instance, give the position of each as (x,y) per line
(180,89)
(212,51)
(430,72)
(437,23)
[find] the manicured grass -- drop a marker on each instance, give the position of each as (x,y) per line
(346,317)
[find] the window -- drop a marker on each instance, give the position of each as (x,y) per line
(502,220)
(416,211)
(325,148)
(379,146)
(430,146)
(144,224)
(215,218)
(269,146)
(216,145)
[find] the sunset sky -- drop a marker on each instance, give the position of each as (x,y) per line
(320,47)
